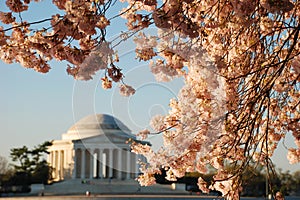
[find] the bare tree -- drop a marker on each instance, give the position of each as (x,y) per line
(3,165)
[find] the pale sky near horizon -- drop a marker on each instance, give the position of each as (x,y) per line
(37,107)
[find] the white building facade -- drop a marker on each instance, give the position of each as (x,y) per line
(94,147)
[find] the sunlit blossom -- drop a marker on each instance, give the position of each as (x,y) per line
(126,90)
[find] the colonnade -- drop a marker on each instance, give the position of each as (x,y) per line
(61,163)
(87,163)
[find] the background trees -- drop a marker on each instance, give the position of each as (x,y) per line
(32,163)
(29,167)
(289,182)
(239,60)
(254,181)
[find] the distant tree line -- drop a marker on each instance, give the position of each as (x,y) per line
(29,167)
(254,181)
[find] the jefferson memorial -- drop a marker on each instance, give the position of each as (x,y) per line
(94,147)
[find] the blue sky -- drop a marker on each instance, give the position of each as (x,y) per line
(37,107)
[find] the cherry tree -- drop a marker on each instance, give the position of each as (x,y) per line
(239,60)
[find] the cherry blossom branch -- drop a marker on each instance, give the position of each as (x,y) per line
(26,24)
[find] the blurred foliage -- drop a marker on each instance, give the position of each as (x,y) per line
(254,181)
(30,167)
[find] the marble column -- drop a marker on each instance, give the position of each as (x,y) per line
(83,163)
(62,164)
(119,168)
(128,163)
(100,161)
(66,156)
(91,163)
(59,164)
(74,174)
(137,165)
(54,173)
(110,164)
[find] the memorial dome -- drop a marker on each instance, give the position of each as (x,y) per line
(94,125)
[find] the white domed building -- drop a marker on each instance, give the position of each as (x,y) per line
(94,147)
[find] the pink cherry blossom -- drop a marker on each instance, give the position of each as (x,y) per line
(143,134)
(126,90)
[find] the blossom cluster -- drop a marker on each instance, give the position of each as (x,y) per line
(77,36)
(34,49)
